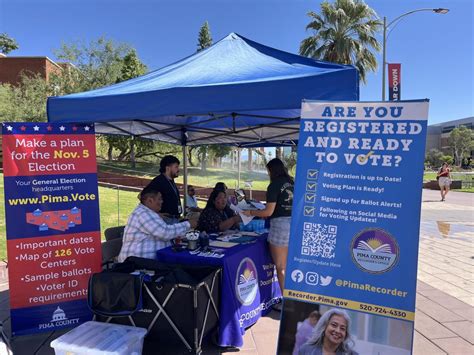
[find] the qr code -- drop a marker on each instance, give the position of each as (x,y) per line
(319,240)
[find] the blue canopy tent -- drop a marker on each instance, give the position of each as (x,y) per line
(235,92)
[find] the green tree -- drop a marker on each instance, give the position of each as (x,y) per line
(7,44)
(99,63)
(447,159)
(130,146)
(205,38)
(461,141)
(344,32)
(433,158)
(217,151)
(290,162)
(204,41)
(26,101)
(131,66)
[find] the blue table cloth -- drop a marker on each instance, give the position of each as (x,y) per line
(249,285)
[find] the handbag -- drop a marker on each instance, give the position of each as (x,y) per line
(113,294)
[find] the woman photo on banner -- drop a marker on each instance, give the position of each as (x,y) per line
(304,330)
(331,335)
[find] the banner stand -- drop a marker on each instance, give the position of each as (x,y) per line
(52,223)
(353,251)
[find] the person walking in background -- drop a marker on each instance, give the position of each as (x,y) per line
(278,208)
(331,335)
(172,209)
(444,180)
(304,330)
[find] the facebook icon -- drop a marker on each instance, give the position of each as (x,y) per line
(297,275)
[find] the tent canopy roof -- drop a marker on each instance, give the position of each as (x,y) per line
(234,92)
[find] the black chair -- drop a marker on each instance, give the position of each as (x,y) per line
(110,251)
(114,233)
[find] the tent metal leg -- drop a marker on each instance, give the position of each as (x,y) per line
(239,156)
(185,175)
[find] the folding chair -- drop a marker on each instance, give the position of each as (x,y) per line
(110,251)
(114,233)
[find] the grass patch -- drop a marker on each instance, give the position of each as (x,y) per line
(455,175)
(196,176)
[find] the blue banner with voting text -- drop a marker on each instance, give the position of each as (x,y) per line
(356,217)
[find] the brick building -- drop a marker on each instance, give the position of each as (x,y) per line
(11,68)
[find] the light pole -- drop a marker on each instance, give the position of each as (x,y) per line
(384,43)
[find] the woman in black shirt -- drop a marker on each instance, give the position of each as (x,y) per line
(216,217)
(278,208)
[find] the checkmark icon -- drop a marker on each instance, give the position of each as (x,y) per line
(312,174)
(310,186)
(363,158)
(308,211)
(309,197)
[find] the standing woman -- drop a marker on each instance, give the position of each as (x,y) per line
(278,208)
(444,180)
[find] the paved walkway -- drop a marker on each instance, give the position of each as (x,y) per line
(445,293)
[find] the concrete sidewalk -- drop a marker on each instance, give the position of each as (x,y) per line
(445,293)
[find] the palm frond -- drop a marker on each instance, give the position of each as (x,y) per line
(344,32)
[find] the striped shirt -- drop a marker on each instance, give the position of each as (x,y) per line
(146,232)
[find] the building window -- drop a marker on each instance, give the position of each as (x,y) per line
(447,129)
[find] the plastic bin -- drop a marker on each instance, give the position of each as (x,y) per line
(100,339)
(255,225)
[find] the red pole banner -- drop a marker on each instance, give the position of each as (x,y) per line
(394,81)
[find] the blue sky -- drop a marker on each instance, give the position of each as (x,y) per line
(436,51)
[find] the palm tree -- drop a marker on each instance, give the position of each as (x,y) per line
(344,33)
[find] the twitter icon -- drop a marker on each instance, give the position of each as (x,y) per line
(324,281)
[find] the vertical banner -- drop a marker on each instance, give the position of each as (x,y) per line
(52,223)
(394,81)
(355,227)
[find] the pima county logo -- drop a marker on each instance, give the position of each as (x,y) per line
(58,319)
(374,251)
(246,283)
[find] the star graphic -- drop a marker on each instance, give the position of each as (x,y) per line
(36,128)
(9,128)
(62,128)
(23,128)
(86,128)
(49,128)
(74,128)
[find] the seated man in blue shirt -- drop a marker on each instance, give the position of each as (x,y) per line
(190,201)
(146,231)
